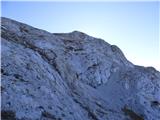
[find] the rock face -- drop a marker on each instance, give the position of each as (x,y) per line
(71,76)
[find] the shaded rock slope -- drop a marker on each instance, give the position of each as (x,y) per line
(71,76)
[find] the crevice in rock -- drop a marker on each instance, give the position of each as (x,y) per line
(19,77)
(155,103)
(8,115)
(93,66)
(3,72)
(49,116)
(91,114)
(132,114)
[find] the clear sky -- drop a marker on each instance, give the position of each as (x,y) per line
(133,26)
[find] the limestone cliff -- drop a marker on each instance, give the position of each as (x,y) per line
(71,76)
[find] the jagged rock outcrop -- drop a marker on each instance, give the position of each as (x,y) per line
(71,76)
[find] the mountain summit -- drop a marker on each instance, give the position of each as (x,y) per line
(71,76)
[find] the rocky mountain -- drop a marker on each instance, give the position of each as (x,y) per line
(71,76)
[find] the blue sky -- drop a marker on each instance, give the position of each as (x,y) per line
(133,26)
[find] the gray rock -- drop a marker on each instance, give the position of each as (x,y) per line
(71,76)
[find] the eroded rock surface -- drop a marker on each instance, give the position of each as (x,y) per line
(71,76)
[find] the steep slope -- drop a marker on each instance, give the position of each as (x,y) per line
(71,76)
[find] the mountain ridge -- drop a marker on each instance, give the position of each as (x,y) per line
(68,76)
